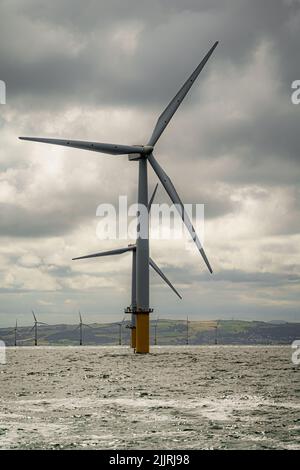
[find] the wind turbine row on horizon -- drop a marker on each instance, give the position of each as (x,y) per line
(37,323)
(213,323)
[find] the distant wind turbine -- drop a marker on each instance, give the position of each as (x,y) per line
(81,324)
(16,332)
(155,331)
(187,330)
(144,154)
(120,325)
(216,331)
(35,328)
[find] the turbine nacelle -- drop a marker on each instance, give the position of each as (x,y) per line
(147,149)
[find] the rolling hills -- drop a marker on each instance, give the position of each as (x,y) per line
(169,332)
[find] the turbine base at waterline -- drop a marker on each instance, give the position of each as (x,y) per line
(139,327)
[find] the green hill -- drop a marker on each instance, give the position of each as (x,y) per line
(169,332)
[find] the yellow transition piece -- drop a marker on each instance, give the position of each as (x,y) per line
(142,332)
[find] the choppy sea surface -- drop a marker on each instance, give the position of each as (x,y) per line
(204,397)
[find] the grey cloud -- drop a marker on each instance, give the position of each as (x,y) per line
(57,56)
(101,73)
(23,222)
(234,276)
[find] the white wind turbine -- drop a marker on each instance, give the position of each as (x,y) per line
(155,331)
(35,328)
(16,332)
(120,325)
(80,327)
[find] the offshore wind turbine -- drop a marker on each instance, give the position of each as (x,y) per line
(16,332)
(187,330)
(155,331)
(144,155)
(216,331)
(132,247)
(35,328)
(120,331)
(81,324)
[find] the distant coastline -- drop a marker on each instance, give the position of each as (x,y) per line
(169,332)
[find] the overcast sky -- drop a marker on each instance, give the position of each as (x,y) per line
(104,71)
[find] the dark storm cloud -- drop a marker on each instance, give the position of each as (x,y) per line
(77,60)
(65,54)
(233,145)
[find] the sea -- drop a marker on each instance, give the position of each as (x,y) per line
(179,397)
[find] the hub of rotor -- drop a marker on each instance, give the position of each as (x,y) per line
(147,149)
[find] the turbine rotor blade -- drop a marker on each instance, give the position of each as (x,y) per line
(156,268)
(152,198)
(112,149)
(34,315)
(170,188)
(167,114)
(118,251)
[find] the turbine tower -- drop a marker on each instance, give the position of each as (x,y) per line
(35,328)
(187,330)
(120,331)
(155,331)
(81,324)
(144,154)
(216,331)
(16,332)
